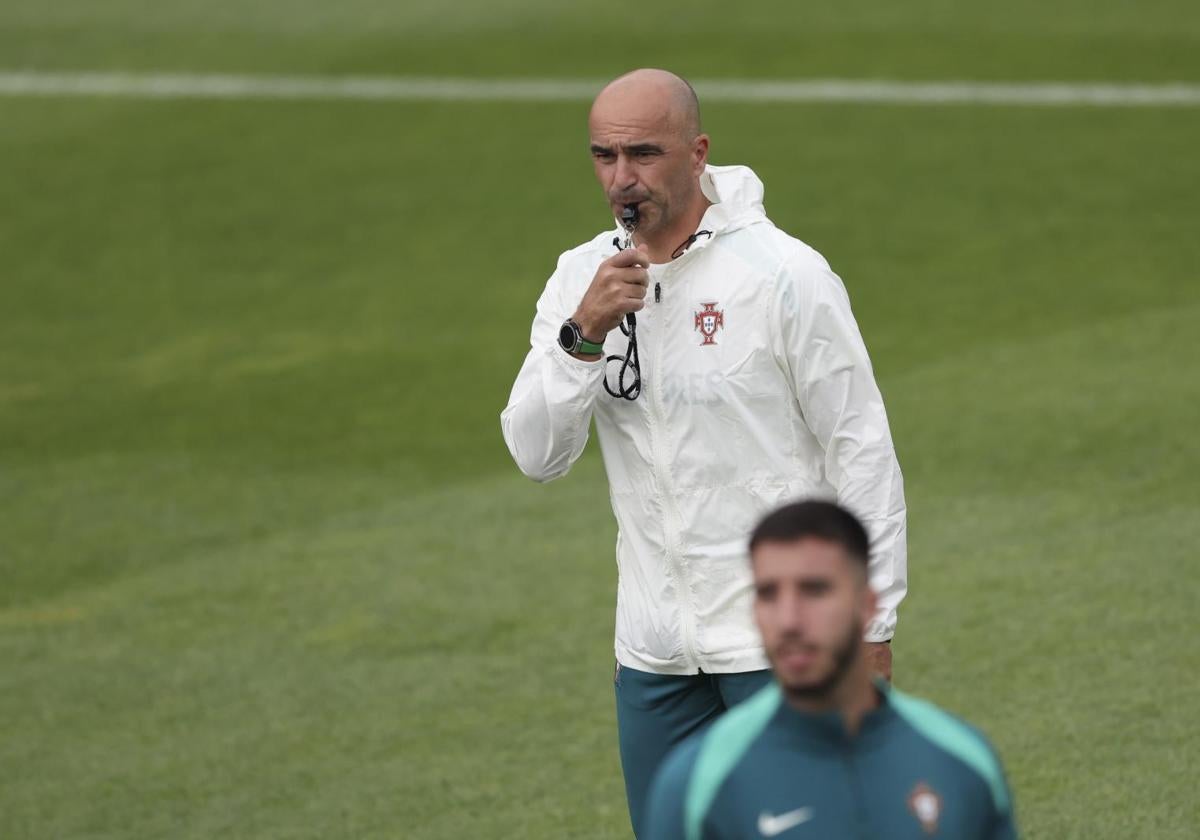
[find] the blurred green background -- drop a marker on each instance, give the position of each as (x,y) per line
(267,569)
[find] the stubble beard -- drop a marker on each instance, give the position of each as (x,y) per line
(845,655)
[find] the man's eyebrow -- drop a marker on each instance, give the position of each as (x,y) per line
(634,149)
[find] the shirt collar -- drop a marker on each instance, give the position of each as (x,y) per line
(828,729)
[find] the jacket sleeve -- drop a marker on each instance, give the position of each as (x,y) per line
(833,382)
(1004,820)
(1004,827)
(545,423)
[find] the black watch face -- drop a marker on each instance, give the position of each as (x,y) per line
(566,337)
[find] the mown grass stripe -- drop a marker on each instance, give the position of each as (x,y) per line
(419,88)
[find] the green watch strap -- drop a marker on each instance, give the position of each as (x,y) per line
(589,348)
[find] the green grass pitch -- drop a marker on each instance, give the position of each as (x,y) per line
(266,570)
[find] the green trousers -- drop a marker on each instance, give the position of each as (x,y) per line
(656,711)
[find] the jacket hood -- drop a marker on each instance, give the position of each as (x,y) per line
(736,194)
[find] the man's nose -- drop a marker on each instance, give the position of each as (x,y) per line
(790,616)
(626,173)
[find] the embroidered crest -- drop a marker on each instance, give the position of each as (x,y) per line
(926,806)
(708,321)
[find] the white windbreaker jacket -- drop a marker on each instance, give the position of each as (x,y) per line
(757,390)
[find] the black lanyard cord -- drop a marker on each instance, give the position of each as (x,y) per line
(630,363)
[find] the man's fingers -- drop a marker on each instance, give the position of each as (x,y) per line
(617,277)
(630,257)
(635,277)
(619,288)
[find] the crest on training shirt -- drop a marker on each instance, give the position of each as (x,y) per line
(708,321)
(926,806)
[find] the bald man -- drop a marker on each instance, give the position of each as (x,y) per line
(726,375)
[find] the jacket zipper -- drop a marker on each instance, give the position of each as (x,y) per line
(862,825)
(674,555)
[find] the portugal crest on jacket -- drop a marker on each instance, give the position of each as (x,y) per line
(926,806)
(708,321)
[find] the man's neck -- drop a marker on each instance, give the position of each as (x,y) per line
(664,243)
(851,698)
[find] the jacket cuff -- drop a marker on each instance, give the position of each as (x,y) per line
(572,364)
(882,628)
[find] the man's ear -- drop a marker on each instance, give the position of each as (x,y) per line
(700,153)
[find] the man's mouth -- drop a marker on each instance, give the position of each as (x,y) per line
(796,657)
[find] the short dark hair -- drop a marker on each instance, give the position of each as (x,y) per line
(815,518)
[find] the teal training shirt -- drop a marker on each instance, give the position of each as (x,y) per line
(764,769)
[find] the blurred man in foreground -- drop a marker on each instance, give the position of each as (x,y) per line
(826,751)
(742,383)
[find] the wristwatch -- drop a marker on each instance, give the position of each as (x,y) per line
(570,338)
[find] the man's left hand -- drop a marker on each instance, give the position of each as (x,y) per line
(879,658)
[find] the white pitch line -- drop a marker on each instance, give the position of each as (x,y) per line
(425,89)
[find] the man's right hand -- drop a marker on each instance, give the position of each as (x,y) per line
(618,288)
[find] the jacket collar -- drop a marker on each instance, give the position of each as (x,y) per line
(827,729)
(736,194)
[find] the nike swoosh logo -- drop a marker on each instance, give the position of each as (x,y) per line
(769,826)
